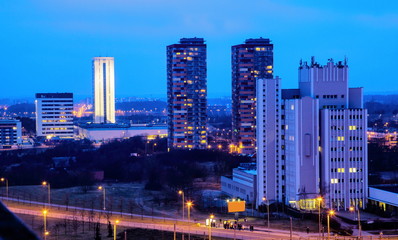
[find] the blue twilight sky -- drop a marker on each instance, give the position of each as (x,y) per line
(47,45)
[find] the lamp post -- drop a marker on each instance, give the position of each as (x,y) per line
(183,202)
(45,233)
(266,199)
(330,213)
(114,229)
(352,209)
(319,215)
(210,223)
(47,184)
(189,205)
(6,182)
(103,195)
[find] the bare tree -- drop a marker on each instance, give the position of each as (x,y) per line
(131,207)
(82,215)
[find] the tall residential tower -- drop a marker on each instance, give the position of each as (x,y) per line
(104,89)
(187,94)
(250,61)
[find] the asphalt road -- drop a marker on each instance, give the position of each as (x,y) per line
(149,222)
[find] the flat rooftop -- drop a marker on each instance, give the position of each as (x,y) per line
(387,187)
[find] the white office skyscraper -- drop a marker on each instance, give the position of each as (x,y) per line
(311,141)
(104,89)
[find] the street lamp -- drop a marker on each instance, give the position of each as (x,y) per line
(104,195)
(352,209)
(114,229)
(6,181)
(47,184)
(45,233)
(210,222)
(319,215)
(189,205)
(266,199)
(330,213)
(183,202)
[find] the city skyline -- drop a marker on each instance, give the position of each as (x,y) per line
(40,33)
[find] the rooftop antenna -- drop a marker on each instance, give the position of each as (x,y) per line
(345,60)
(312,61)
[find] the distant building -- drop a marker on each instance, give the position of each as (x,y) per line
(107,132)
(250,61)
(312,140)
(187,94)
(10,134)
(104,89)
(387,139)
(241,184)
(54,115)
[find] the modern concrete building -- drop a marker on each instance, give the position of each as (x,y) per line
(187,94)
(242,184)
(107,132)
(10,134)
(269,140)
(54,115)
(322,149)
(250,61)
(104,89)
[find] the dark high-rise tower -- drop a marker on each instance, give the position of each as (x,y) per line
(250,61)
(187,94)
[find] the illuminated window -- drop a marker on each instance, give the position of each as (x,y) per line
(340,170)
(269,67)
(189,58)
(352,127)
(340,138)
(292,107)
(334,180)
(258,49)
(353,170)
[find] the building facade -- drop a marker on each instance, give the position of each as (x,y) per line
(250,61)
(10,134)
(54,115)
(104,89)
(323,144)
(187,94)
(242,184)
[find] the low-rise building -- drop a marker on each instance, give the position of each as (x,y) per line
(383,199)
(10,134)
(242,184)
(107,132)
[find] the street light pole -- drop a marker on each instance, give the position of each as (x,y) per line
(319,215)
(45,233)
(47,184)
(210,223)
(266,199)
(352,209)
(189,204)
(6,181)
(183,210)
(103,195)
(330,213)
(114,229)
